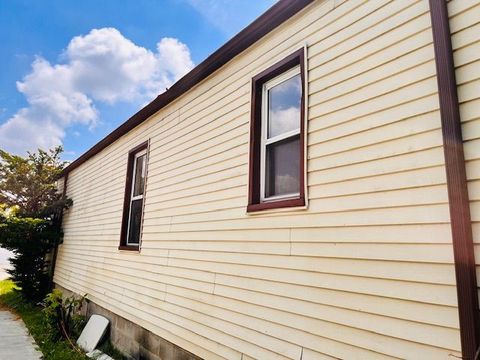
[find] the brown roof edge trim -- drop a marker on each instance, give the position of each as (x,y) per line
(460,219)
(273,17)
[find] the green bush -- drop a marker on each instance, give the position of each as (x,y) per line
(30,240)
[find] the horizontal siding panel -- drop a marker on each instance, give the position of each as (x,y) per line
(467,73)
(472,149)
(410,197)
(475,210)
(154,260)
(403,252)
(355,266)
(237,288)
(417,125)
(395,234)
(234,158)
(335,316)
(393,16)
(326,328)
(372,49)
(230,180)
(323,77)
(234,219)
(404,111)
(323,118)
(142,271)
(422,292)
(228,235)
(471,130)
(387,168)
(205,199)
(465,37)
(466,55)
(468,92)
(343,99)
(309,354)
(214,132)
(473,168)
(399,146)
(463,15)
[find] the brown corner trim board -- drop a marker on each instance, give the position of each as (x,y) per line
(460,219)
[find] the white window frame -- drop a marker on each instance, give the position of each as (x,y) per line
(138,197)
(264,133)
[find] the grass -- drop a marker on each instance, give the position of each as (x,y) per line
(33,317)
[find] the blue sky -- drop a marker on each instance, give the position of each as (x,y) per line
(72,71)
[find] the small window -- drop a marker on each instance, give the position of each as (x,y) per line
(134,198)
(277,136)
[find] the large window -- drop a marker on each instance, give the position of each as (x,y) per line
(134,198)
(277,136)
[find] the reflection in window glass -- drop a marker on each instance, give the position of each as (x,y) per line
(139,180)
(135,222)
(284,102)
(283,167)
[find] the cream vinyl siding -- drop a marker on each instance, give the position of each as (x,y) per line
(465,28)
(365,272)
(59,185)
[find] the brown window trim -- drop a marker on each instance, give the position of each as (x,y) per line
(129,247)
(254,203)
(126,202)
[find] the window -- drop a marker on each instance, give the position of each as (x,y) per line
(134,198)
(277,136)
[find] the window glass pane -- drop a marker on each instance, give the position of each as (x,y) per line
(135,222)
(284,102)
(282,167)
(139,179)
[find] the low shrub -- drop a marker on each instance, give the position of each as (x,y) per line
(62,315)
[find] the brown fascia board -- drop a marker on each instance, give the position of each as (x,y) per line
(273,17)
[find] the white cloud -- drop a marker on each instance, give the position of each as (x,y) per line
(230,16)
(102,66)
(284,120)
(215,11)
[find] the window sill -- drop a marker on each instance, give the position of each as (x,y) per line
(129,247)
(279,204)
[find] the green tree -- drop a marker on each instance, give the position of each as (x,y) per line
(30,182)
(30,216)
